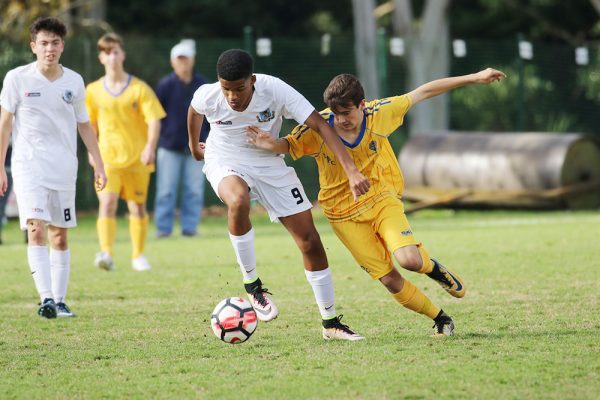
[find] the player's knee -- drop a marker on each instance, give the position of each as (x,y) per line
(36,232)
(238,205)
(310,243)
(411,261)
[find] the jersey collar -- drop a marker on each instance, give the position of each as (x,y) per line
(360,135)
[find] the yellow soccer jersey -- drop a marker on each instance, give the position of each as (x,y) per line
(372,154)
(122,120)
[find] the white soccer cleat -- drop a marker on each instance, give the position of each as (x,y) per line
(334,329)
(141,264)
(262,303)
(104,261)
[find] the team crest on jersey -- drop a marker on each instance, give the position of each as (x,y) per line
(265,116)
(134,105)
(373,146)
(67,96)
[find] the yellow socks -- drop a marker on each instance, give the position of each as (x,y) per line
(138,227)
(412,298)
(107,230)
(427,263)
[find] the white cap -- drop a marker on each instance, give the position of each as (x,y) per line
(185,48)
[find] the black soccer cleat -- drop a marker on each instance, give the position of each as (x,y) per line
(447,280)
(47,309)
(63,311)
(334,329)
(443,325)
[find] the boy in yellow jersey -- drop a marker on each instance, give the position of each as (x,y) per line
(375,227)
(126,115)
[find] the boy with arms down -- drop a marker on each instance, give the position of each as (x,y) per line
(375,227)
(239,172)
(125,114)
(43,105)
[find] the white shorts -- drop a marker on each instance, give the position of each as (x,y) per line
(277,188)
(55,207)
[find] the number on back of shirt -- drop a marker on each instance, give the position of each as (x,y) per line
(297,195)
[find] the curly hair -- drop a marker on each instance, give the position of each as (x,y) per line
(234,64)
(47,24)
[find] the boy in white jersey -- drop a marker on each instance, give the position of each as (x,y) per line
(43,103)
(239,172)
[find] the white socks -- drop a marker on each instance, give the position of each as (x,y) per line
(322,286)
(39,264)
(244,251)
(60,267)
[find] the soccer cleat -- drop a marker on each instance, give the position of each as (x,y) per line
(104,261)
(443,325)
(141,264)
(447,280)
(47,309)
(63,311)
(265,309)
(334,329)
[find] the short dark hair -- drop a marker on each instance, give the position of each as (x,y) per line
(48,24)
(234,64)
(108,41)
(343,90)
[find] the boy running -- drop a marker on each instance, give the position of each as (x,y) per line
(375,227)
(239,172)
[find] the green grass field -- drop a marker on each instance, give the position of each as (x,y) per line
(527,329)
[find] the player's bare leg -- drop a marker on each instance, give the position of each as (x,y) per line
(235,193)
(316,267)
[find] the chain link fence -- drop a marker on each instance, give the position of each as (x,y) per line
(548,92)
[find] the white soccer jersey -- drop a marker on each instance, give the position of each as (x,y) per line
(45,125)
(271,101)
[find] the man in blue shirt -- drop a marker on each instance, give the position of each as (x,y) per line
(175,165)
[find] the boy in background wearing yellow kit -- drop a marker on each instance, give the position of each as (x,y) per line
(126,115)
(375,227)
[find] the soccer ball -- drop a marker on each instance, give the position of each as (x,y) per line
(233,320)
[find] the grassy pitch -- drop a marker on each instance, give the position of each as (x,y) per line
(528,327)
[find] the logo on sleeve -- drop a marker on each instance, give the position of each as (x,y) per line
(67,96)
(33,94)
(265,116)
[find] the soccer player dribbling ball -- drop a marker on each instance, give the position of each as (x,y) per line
(239,172)
(43,105)
(375,228)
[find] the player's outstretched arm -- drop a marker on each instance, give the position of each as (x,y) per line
(90,140)
(263,140)
(359,184)
(194,124)
(439,86)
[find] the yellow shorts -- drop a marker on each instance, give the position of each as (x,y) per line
(130,184)
(375,234)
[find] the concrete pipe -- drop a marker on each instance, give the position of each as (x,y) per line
(505,162)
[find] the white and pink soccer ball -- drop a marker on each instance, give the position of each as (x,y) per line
(233,320)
